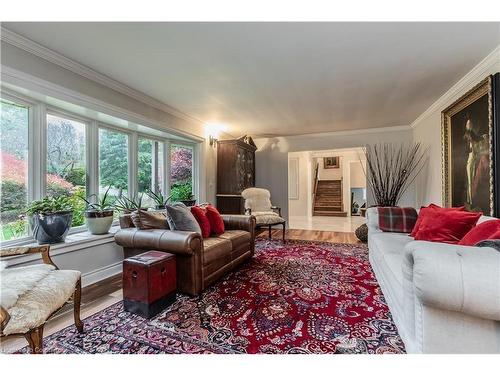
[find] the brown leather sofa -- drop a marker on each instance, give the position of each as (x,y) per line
(200,262)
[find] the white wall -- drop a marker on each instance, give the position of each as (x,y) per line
(358,178)
(427,129)
(302,205)
(272,156)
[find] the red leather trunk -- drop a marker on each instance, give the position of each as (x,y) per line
(149,283)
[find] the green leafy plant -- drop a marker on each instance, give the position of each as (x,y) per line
(126,205)
(158,197)
(75,200)
(49,205)
(182,192)
(102,204)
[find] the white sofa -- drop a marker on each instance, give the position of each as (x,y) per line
(443,298)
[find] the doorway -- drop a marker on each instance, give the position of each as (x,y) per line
(327,189)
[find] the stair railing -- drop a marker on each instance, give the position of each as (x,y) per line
(316,173)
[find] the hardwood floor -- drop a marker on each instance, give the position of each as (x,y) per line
(312,235)
(102,294)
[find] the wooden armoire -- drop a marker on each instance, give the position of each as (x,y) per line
(235,173)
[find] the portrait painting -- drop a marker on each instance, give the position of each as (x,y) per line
(469,132)
(331,162)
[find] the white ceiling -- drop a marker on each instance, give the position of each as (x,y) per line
(279,78)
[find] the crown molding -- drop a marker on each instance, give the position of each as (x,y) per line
(475,75)
(31,83)
(49,55)
(384,129)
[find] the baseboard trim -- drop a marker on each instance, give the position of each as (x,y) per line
(100,274)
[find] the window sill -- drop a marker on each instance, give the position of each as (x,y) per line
(74,242)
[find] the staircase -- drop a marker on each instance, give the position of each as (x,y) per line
(328,198)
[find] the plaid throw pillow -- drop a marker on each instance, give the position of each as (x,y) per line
(397,219)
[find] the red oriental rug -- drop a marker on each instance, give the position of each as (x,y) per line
(301,297)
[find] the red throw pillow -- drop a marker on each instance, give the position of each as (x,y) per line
(201,217)
(448,226)
(489,230)
(216,222)
(425,210)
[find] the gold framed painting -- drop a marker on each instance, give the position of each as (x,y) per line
(470,149)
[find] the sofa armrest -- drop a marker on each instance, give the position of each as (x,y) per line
(464,279)
(239,222)
(372,220)
(171,241)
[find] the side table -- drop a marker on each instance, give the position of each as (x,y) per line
(149,283)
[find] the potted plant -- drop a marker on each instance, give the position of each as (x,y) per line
(99,216)
(50,219)
(127,205)
(188,199)
(159,199)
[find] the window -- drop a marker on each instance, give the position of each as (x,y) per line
(14,128)
(66,160)
(149,168)
(79,157)
(113,162)
(181,172)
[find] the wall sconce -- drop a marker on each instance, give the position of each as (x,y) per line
(212,141)
(212,131)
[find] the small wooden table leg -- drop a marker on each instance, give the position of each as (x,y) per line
(270,236)
(284,226)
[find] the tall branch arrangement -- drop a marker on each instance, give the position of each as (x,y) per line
(391,169)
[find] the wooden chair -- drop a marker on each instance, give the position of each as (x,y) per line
(258,204)
(31,295)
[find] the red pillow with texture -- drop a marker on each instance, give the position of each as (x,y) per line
(425,210)
(216,222)
(448,226)
(201,217)
(489,230)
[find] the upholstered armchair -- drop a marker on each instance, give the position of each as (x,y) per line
(258,204)
(30,295)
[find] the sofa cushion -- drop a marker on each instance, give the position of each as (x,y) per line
(267,217)
(426,210)
(237,237)
(17,281)
(488,230)
(448,226)
(396,219)
(200,214)
(181,218)
(215,248)
(144,220)
(37,304)
(215,219)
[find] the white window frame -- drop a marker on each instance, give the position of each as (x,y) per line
(37,153)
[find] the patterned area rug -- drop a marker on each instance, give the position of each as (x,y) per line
(301,297)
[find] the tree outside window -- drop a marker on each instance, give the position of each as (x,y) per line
(13,169)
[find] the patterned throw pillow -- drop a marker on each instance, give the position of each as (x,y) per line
(495,244)
(396,219)
(181,218)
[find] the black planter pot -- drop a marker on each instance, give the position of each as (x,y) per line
(51,228)
(160,207)
(189,203)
